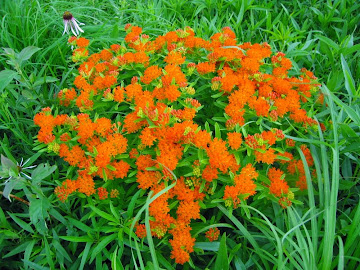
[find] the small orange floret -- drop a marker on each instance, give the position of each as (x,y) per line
(212,234)
(82,42)
(234,140)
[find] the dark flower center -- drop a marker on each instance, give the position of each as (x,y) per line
(67,16)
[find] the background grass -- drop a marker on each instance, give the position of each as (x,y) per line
(322,36)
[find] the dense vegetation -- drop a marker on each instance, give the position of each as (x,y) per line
(39,231)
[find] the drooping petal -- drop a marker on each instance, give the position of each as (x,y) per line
(66,26)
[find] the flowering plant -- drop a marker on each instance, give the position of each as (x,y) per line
(213,113)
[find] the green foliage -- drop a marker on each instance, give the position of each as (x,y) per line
(322,36)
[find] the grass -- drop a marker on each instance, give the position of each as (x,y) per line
(322,36)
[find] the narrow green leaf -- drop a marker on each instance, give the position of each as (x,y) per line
(217,131)
(59,248)
(115,262)
(22,224)
(101,245)
(104,215)
(28,252)
(132,203)
(48,253)
(222,262)
(84,256)
(80,225)
(341,254)
(349,81)
(18,249)
(77,239)
(35,266)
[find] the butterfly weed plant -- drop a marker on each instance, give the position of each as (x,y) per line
(213,119)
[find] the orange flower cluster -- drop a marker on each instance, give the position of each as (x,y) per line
(278,185)
(94,151)
(212,234)
(140,107)
(244,186)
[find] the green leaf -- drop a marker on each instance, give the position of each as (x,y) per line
(115,31)
(115,261)
(38,211)
(21,223)
(77,239)
(222,262)
(329,42)
(18,249)
(132,203)
(4,224)
(59,249)
(48,254)
(84,256)
(13,183)
(349,81)
(80,225)
(28,252)
(101,245)
(6,76)
(217,131)
(41,172)
(210,246)
(26,53)
(111,168)
(104,215)
(35,266)
(7,163)
(114,211)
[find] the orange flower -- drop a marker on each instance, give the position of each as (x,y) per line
(119,94)
(103,126)
(132,123)
(122,169)
(212,234)
(85,184)
(209,173)
(278,185)
(269,137)
(172,93)
(266,157)
(174,58)
(141,57)
(234,140)
(147,137)
(140,230)
(150,74)
(103,193)
(220,158)
(201,139)
(67,187)
(206,67)
(66,96)
(245,185)
(182,243)
(106,55)
(301,183)
(188,210)
(144,161)
(307,154)
(132,90)
(147,179)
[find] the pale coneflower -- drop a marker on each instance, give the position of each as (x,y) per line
(70,23)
